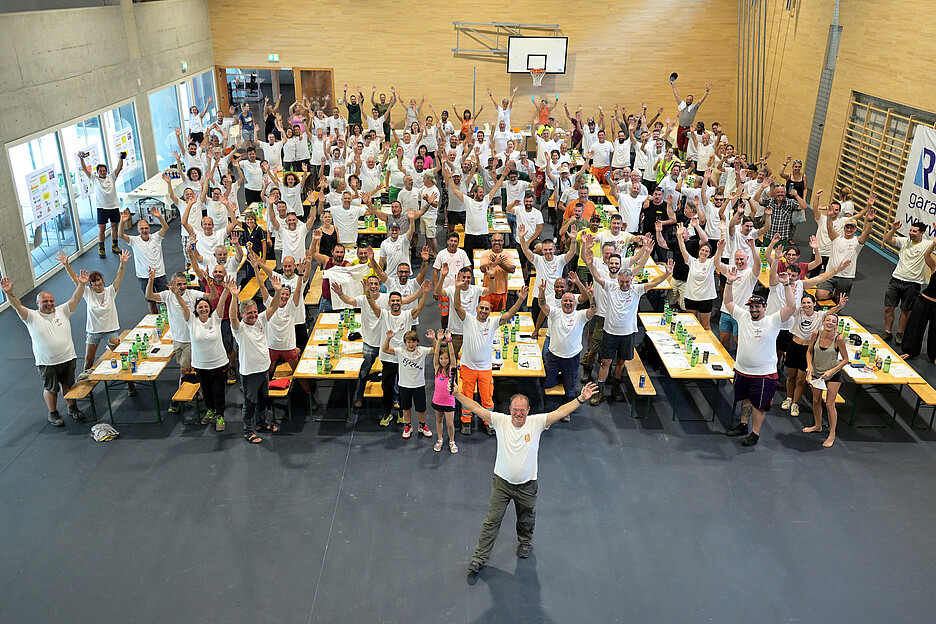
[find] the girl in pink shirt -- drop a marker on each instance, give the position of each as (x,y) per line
(442,400)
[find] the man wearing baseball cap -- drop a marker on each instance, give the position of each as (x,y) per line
(845,246)
(756,363)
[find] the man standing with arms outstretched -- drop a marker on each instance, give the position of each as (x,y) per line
(105,200)
(687,113)
(53,347)
(515,468)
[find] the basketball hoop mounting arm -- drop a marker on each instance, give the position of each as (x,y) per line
(493,35)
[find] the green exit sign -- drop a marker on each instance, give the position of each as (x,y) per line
(273,58)
(184,66)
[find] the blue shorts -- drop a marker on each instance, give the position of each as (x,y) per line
(101,338)
(726,323)
(159,284)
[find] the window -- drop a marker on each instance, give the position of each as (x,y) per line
(84,136)
(873,156)
(164,111)
(195,92)
(123,136)
(43,198)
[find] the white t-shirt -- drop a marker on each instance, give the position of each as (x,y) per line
(455,261)
(207,345)
(478,343)
(194,220)
(393,285)
(430,193)
(757,343)
(738,241)
(822,233)
(469,300)
(180,329)
(292,195)
(273,153)
(280,334)
(621,240)
(700,285)
(253,354)
(911,263)
(206,244)
(413,366)
(399,325)
(517,447)
(741,289)
(601,294)
(371,326)
(51,336)
(102,310)
(622,153)
(476,216)
(370,178)
(394,252)
(516,191)
(529,219)
(565,331)
(294,241)
(253,174)
(776,299)
(547,271)
(602,153)
(218,213)
(346,222)
(621,317)
(630,208)
(105,192)
(845,249)
(147,254)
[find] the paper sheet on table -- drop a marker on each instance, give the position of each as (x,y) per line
(330,318)
(150,369)
(323,334)
(526,323)
(530,350)
(104,368)
(123,347)
(525,339)
(725,370)
(687,319)
(160,351)
(870,338)
(860,373)
(144,331)
(674,360)
(818,383)
(661,338)
(349,364)
(348,348)
(307,367)
(901,370)
(149,320)
(530,363)
(315,351)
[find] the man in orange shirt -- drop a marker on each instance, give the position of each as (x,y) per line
(588,206)
(496,266)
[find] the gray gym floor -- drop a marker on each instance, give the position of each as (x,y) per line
(639,520)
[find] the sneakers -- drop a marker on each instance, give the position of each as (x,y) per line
(56,419)
(474,567)
(888,336)
(85,374)
(219,423)
(616,393)
(407,431)
(749,440)
(102,251)
(899,338)
(488,429)
(399,418)
(596,399)
(794,410)
(787,402)
(423,429)
(76,413)
(385,421)
(466,429)
(232,377)
(174,407)
(740,430)
(208,417)
(524,550)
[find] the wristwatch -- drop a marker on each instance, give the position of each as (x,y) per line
(581,402)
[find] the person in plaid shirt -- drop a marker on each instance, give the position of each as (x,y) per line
(783,205)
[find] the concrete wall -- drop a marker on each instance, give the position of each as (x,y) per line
(62,65)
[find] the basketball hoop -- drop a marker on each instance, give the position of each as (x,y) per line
(537,76)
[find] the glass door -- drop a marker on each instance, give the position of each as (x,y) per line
(121,126)
(164,111)
(84,136)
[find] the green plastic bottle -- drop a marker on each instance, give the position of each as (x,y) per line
(695,356)
(516,355)
(318,365)
(887,363)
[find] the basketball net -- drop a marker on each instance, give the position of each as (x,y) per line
(537,76)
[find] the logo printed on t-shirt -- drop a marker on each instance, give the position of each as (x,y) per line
(527,437)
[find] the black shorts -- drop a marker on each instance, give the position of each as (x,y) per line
(758,390)
(784,338)
(837,285)
(621,347)
(54,375)
(900,293)
(702,307)
(455,217)
(108,214)
(411,396)
(197,137)
(252,197)
(836,378)
(796,356)
(442,408)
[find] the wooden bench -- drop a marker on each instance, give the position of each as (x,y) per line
(82,390)
(314,294)
(251,288)
(188,391)
(635,369)
(926,395)
(283,371)
(557,390)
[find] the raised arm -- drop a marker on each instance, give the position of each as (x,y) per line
(472,406)
(868,225)
(564,410)
(7,287)
(79,291)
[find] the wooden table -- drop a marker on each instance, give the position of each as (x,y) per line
(681,372)
(877,380)
(514,280)
(122,377)
(509,368)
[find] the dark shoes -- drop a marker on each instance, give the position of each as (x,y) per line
(524,550)
(749,440)
(466,429)
(474,567)
(740,430)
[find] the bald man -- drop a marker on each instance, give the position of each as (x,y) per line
(53,347)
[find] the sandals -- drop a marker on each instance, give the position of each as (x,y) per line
(253,438)
(437,446)
(453,447)
(267,427)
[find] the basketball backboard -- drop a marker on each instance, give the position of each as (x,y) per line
(529,53)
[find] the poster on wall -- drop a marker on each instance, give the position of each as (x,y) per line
(918,194)
(44,194)
(92,159)
(123,142)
